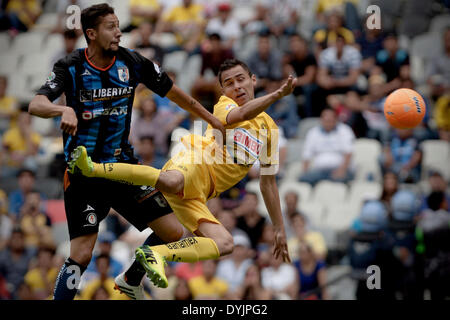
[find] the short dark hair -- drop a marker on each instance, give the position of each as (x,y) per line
(70,34)
(435,200)
(90,17)
(231,63)
(215,36)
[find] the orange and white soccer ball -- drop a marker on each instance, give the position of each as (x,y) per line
(404,108)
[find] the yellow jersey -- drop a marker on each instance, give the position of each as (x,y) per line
(247,142)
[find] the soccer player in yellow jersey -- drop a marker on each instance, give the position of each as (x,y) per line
(206,168)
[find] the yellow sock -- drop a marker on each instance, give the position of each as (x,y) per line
(128,173)
(190,249)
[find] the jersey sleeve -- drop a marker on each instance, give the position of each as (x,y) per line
(150,74)
(56,81)
(223,108)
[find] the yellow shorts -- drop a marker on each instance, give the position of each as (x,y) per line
(190,206)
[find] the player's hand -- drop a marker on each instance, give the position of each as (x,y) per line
(287,87)
(69,121)
(280,245)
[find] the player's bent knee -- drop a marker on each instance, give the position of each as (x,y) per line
(173,235)
(170,181)
(225,245)
(83,256)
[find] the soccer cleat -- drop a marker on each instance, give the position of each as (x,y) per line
(134,292)
(153,263)
(81,161)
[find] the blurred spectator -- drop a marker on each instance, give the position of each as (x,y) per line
(438,69)
(26,179)
(249,219)
(283,111)
(213,55)
(21,143)
(371,106)
(101,293)
(368,246)
(326,7)
(232,269)
(143,11)
(102,263)
(105,241)
(260,20)
(393,63)
(291,199)
(35,224)
(14,261)
(141,42)
(173,114)
(433,232)
(6,223)
(442,117)
(265,63)
(4,293)
(70,44)
(186,22)
(327,37)
(390,187)
(187,271)
(252,288)
(301,62)
(146,153)
(339,69)
(19,15)
(283,16)
(41,278)
(311,271)
(402,155)
(328,150)
(207,286)
(406,266)
(151,124)
(182,291)
(225,25)
(8,106)
(369,43)
(436,183)
(280,279)
(228,219)
(302,233)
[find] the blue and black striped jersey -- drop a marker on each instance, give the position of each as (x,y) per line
(103,100)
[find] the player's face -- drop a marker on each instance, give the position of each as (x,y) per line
(238,85)
(108,33)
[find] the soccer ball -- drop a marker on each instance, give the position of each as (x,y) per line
(404,108)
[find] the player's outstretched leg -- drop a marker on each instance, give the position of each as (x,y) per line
(122,172)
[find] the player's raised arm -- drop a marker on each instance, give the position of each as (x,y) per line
(269,190)
(41,105)
(252,108)
(191,105)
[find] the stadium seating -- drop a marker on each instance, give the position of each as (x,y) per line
(363,190)
(305,125)
(439,23)
(365,159)
(340,216)
(436,155)
(9,63)
(25,43)
(326,192)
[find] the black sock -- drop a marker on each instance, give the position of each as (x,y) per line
(136,272)
(68,280)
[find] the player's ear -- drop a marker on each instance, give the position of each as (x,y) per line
(91,33)
(254,80)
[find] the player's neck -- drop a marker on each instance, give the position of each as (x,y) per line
(97,57)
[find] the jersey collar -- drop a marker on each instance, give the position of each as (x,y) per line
(94,66)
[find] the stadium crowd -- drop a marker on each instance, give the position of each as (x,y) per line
(354,191)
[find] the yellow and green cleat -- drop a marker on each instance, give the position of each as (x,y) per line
(81,162)
(153,263)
